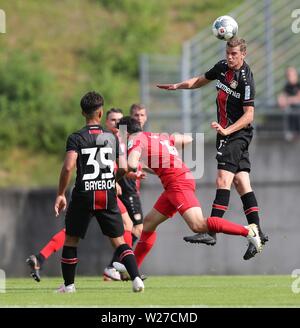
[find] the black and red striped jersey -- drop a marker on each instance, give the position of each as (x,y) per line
(98,150)
(235,90)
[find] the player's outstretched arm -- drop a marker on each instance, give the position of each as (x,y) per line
(193,83)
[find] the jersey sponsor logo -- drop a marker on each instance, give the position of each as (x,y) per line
(99,185)
(229,91)
(247,92)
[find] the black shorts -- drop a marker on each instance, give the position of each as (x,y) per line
(79,215)
(133,205)
(232,151)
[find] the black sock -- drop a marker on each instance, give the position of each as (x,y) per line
(134,239)
(41,259)
(127,257)
(220,204)
(251,208)
(69,262)
(115,257)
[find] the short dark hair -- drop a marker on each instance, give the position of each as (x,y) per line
(235,42)
(133,125)
(114,110)
(90,102)
(134,107)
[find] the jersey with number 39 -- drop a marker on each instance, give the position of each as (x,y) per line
(159,153)
(97,151)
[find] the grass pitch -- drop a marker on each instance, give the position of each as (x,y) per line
(160,291)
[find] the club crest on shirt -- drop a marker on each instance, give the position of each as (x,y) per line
(233,84)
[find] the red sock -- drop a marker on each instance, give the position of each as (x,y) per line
(128,237)
(216,224)
(56,243)
(144,246)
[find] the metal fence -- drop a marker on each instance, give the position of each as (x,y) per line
(272,46)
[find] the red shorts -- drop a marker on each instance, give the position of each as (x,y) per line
(172,201)
(121,206)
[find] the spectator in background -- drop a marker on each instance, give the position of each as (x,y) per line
(289,101)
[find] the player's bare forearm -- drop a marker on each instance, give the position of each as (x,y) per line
(133,160)
(64,180)
(66,172)
(182,139)
(193,83)
(242,122)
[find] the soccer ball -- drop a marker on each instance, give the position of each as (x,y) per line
(225,28)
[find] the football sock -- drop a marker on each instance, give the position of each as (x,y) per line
(220,204)
(40,257)
(251,208)
(128,240)
(126,256)
(69,262)
(56,243)
(144,246)
(216,224)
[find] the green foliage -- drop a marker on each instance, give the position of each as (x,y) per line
(136,28)
(54,53)
(30,105)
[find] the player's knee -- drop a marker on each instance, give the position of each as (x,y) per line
(223,182)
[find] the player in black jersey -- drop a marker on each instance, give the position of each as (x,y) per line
(94,152)
(131,189)
(235,112)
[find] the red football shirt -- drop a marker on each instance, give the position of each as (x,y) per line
(159,153)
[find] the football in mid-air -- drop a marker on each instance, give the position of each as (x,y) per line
(225,28)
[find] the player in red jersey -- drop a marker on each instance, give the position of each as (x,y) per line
(158,152)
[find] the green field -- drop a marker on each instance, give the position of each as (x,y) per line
(160,291)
